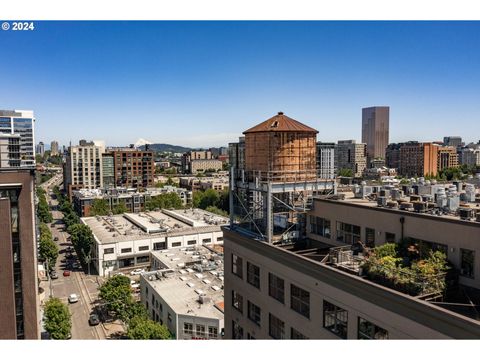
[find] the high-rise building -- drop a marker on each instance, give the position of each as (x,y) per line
(19,299)
(133,168)
(452,141)
(392,155)
(326,160)
(470,155)
(54,148)
(352,156)
(447,157)
(236,154)
(418,159)
(375,131)
(40,148)
(108,166)
(190,156)
(9,150)
(21,122)
(83,167)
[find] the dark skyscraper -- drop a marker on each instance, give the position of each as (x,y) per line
(375,131)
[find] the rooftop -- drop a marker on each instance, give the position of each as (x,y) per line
(446,201)
(183,276)
(280,122)
(152,224)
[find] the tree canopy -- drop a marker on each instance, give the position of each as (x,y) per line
(57,319)
(99,207)
(164,201)
(142,328)
(48,250)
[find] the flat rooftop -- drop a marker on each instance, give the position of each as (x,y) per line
(185,274)
(152,224)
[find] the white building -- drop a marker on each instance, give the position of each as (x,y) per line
(185,292)
(83,167)
(123,242)
(21,122)
(326,160)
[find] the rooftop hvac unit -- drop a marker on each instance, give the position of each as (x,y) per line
(382,201)
(406,206)
(392,204)
(203,299)
(415,198)
(466,213)
(419,206)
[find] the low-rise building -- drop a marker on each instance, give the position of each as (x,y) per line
(184,291)
(133,200)
(125,241)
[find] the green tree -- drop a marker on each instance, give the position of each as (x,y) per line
(164,201)
(209,198)
(57,319)
(117,295)
(141,328)
(120,208)
(99,207)
(48,250)
(345,172)
(82,239)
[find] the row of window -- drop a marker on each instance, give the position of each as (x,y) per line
(299,298)
(156,246)
(335,320)
(200,331)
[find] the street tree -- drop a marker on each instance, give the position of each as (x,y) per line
(117,296)
(142,328)
(57,319)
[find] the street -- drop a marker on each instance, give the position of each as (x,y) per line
(77,283)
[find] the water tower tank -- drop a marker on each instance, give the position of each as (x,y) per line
(282,147)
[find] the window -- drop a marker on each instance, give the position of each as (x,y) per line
(276,328)
(368,330)
(143,259)
(143,248)
(126,250)
(276,287)
(192,242)
(237,266)
(108,251)
(335,319)
(370,237)
(237,331)
(212,332)
(177,244)
(300,300)
(200,331)
(467,263)
(206,241)
(320,226)
(254,313)
(348,233)
(158,246)
(188,328)
(253,275)
(389,237)
(237,301)
(294,334)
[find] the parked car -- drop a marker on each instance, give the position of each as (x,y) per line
(137,271)
(93,320)
(72,298)
(66,273)
(53,274)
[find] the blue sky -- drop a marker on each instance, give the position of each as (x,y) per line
(203,83)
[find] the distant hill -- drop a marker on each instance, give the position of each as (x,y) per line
(167,147)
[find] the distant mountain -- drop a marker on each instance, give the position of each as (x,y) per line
(166,147)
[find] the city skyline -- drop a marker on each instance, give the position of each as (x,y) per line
(217,78)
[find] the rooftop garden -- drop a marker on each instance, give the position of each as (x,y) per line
(409,267)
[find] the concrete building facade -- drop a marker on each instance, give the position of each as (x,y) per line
(418,159)
(83,167)
(447,157)
(10,151)
(19,300)
(54,151)
(375,131)
(326,165)
(21,122)
(184,292)
(40,148)
(352,156)
(134,168)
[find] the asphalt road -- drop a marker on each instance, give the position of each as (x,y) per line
(77,283)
